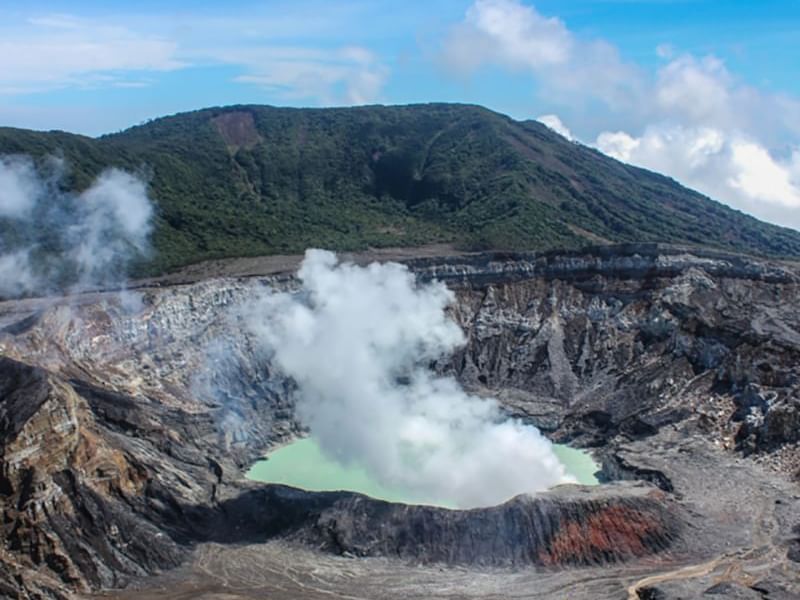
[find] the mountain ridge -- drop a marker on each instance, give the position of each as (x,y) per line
(247,180)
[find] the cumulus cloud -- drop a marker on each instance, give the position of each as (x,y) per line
(59,238)
(508,33)
(665,51)
(702,91)
(696,90)
(358,341)
(726,166)
(719,136)
(571,71)
(515,36)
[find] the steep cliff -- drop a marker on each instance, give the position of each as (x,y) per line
(73,500)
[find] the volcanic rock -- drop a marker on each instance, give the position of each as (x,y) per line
(124,432)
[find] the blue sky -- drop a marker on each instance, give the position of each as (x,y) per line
(703,90)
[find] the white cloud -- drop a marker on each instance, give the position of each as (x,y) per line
(132,84)
(618,144)
(699,91)
(724,165)
(715,134)
(508,33)
(348,75)
(665,51)
(759,176)
(60,51)
(554,123)
(515,36)
(702,92)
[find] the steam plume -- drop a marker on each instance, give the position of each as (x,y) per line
(357,342)
(50,238)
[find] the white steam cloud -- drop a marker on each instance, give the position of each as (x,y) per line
(554,123)
(115,222)
(50,238)
(20,187)
(358,342)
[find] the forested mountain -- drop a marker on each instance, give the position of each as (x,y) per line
(246,180)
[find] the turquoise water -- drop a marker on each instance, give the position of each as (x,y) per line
(302,464)
(578,463)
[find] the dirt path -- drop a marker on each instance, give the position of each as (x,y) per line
(688,572)
(274,264)
(738,564)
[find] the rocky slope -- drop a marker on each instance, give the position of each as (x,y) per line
(126,421)
(635,338)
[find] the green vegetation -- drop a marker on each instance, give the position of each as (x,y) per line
(248,180)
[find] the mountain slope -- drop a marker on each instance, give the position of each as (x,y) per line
(247,180)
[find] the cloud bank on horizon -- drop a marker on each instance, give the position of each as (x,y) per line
(689,115)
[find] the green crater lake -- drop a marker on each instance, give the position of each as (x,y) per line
(303,465)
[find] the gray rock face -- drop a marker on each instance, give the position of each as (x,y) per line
(60,473)
(124,431)
(633,340)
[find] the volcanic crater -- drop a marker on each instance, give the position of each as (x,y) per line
(125,442)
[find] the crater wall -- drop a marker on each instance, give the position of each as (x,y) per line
(126,425)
